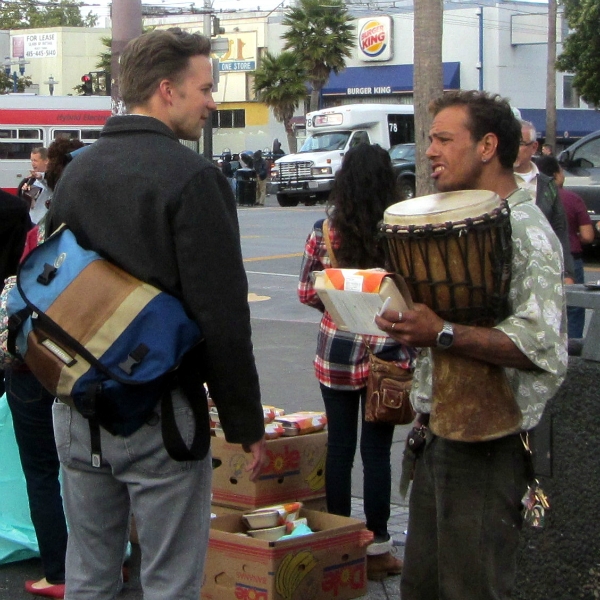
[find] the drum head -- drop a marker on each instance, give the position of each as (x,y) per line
(444,207)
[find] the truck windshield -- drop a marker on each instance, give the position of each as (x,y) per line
(326,141)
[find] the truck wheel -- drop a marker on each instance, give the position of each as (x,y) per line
(285,200)
(406,188)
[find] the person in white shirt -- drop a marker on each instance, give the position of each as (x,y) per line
(36,187)
(543,192)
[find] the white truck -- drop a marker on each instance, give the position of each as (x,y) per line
(308,175)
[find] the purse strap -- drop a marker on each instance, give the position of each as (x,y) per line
(328,244)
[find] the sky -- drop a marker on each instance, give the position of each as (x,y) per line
(100,7)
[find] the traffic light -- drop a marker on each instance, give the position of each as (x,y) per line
(216,26)
(86,84)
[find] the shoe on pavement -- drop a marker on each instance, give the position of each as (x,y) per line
(45,589)
(380,566)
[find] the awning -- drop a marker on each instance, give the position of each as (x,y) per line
(571,123)
(384,80)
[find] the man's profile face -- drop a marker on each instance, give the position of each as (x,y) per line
(192,99)
(38,164)
(527,148)
(455,159)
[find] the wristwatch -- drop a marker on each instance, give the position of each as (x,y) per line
(445,338)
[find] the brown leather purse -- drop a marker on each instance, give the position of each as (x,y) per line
(388,392)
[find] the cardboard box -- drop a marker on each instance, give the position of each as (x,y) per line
(295,472)
(328,564)
(219,511)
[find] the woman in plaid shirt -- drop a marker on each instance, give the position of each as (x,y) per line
(364,187)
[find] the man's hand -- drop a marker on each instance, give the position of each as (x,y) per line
(259,457)
(418,327)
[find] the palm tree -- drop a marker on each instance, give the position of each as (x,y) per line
(428,81)
(280,84)
(323,36)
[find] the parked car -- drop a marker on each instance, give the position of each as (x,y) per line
(581,164)
(403,162)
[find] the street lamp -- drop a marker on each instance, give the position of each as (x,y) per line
(51,83)
(15,78)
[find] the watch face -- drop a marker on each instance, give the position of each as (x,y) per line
(445,339)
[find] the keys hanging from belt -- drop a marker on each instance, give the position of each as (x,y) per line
(535,501)
(415,444)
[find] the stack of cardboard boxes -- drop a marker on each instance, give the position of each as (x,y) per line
(327,564)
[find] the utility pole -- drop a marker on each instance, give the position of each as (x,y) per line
(126,17)
(207,133)
(551,78)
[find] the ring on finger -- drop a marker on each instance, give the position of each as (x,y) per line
(399,317)
(393,325)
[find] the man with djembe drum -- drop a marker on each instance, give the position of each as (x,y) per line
(484,377)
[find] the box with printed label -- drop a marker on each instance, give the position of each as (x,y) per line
(325,565)
(295,471)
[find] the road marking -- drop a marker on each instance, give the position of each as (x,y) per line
(274,257)
(276,274)
(252,297)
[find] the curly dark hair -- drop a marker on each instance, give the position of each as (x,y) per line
(58,159)
(364,187)
(488,113)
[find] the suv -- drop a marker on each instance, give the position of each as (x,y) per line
(581,163)
(403,163)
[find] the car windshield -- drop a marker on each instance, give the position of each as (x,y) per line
(320,142)
(403,152)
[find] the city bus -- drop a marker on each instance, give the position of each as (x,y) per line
(29,121)
(308,175)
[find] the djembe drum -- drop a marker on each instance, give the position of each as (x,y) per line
(454,251)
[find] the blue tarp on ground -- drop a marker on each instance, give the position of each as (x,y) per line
(17,536)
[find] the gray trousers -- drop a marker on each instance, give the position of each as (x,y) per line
(170,501)
(464,521)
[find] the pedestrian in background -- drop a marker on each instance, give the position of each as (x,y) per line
(364,187)
(581,232)
(259,164)
(31,408)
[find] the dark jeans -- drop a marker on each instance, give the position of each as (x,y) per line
(31,407)
(576,314)
(464,521)
(343,409)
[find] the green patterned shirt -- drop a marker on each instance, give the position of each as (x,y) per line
(538,322)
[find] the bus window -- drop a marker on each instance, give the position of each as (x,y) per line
(90,135)
(17,144)
(87,136)
(401,129)
(70,134)
(359,138)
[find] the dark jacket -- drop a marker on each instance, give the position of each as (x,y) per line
(14,225)
(167,216)
(549,203)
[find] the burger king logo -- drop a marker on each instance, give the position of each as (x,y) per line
(372,38)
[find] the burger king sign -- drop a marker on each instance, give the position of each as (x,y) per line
(375,38)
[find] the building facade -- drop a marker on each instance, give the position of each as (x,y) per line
(493,45)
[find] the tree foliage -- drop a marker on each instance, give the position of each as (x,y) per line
(581,49)
(7,83)
(280,84)
(31,14)
(322,35)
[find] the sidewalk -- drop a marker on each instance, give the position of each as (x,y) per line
(388,589)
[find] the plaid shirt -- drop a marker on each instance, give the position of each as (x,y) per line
(342,361)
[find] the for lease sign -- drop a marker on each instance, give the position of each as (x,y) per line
(35,45)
